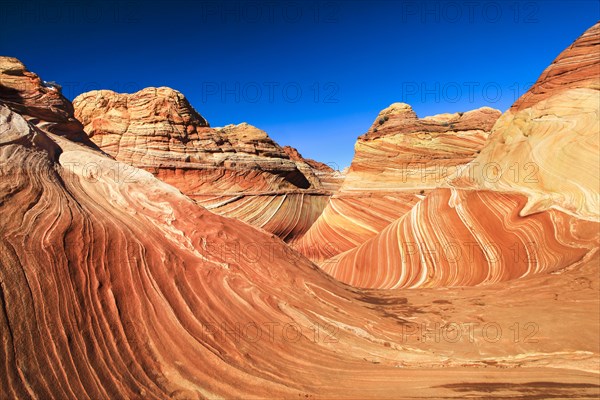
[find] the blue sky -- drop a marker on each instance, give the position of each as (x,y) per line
(313,74)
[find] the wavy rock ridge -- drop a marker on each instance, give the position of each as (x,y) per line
(395,164)
(546,145)
(237,170)
(114,284)
(464,238)
(535,181)
(126,288)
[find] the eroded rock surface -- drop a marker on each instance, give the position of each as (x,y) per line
(395,164)
(127,288)
(535,183)
(236,170)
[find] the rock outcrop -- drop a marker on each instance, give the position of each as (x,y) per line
(464,238)
(237,170)
(114,284)
(532,191)
(38,101)
(398,161)
(329,178)
(158,130)
(576,67)
(546,145)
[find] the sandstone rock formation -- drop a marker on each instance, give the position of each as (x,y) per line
(157,129)
(546,145)
(38,101)
(535,183)
(114,284)
(398,161)
(466,237)
(123,287)
(329,178)
(576,67)
(237,170)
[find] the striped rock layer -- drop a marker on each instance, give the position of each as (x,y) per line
(547,144)
(117,288)
(237,170)
(460,237)
(533,190)
(395,164)
(37,100)
(329,178)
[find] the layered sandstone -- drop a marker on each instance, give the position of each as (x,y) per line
(397,162)
(546,145)
(237,170)
(158,130)
(463,238)
(127,288)
(330,179)
(38,101)
(534,187)
(576,67)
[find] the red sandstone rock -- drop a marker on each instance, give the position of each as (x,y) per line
(576,67)
(237,170)
(38,101)
(395,164)
(115,287)
(535,183)
(329,178)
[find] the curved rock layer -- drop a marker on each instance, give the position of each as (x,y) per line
(576,67)
(126,288)
(549,152)
(350,219)
(535,181)
(38,100)
(395,164)
(465,238)
(547,145)
(329,178)
(158,130)
(288,215)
